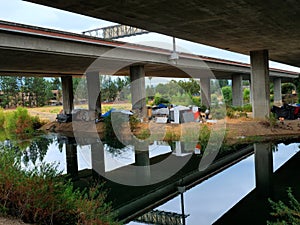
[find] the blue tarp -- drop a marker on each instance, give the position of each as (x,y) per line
(107,113)
(162,106)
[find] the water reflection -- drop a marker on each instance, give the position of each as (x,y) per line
(209,200)
(263,157)
(205,200)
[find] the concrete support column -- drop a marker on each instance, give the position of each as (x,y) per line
(67,93)
(72,162)
(138,90)
(237,90)
(260,86)
(263,169)
(94,94)
(277,91)
(205,91)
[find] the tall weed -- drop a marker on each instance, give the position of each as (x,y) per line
(41,196)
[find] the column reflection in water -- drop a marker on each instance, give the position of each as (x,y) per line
(98,162)
(72,161)
(142,162)
(263,169)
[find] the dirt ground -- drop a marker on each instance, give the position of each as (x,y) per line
(10,221)
(238,130)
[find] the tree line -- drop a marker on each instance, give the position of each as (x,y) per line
(26,91)
(37,91)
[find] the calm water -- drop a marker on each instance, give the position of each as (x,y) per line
(209,200)
(204,203)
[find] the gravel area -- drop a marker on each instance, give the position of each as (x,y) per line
(11,221)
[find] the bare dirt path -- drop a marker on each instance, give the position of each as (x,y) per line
(11,221)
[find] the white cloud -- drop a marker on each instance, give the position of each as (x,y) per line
(32,14)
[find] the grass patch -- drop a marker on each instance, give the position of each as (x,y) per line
(171,136)
(143,134)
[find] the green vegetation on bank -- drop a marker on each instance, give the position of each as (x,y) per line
(19,122)
(42,196)
(285,213)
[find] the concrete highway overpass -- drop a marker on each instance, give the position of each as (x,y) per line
(264,29)
(236,25)
(28,50)
(45,52)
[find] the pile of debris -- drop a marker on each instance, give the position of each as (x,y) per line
(176,114)
(288,112)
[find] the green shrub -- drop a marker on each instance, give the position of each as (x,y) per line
(19,122)
(247,108)
(285,213)
(246,95)
(227,94)
(158,99)
(41,196)
(196,100)
(204,135)
(230,113)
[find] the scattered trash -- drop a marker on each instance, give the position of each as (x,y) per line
(64,118)
(197,149)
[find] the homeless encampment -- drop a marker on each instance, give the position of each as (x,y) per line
(289,112)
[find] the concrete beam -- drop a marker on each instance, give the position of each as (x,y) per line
(260,86)
(94,93)
(205,91)
(237,90)
(277,92)
(67,93)
(43,52)
(138,90)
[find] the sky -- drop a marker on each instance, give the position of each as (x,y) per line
(32,14)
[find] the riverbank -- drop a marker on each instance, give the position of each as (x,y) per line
(242,130)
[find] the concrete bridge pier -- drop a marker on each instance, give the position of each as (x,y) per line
(67,94)
(205,91)
(260,87)
(94,94)
(263,158)
(237,90)
(277,91)
(138,90)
